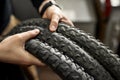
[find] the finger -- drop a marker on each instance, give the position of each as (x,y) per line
(54,22)
(32,60)
(29,34)
(67,21)
(36,61)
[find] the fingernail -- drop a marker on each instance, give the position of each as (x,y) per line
(52,28)
(37,31)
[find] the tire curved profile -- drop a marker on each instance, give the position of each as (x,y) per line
(81,49)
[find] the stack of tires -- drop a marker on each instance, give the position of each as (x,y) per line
(70,52)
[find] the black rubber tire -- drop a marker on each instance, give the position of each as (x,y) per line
(62,65)
(95,48)
(79,56)
(105,56)
(70,49)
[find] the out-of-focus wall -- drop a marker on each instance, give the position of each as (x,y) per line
(113,29)
(78,10)
(81,12)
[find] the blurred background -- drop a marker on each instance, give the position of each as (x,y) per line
(100,18)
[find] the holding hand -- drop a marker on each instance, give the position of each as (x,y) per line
(55,14)
(12,49)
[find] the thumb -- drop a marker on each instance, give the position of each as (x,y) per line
(29,34)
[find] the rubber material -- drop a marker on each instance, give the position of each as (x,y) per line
(63,69)
(95,48)
(63,66)
(69,48)
(110,61)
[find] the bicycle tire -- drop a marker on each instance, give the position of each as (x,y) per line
(92,67)
(98,50)
(63,66)
(95,48)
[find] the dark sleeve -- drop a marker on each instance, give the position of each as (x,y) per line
(37,3)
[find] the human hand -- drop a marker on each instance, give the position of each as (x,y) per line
(55,15)
(12,49)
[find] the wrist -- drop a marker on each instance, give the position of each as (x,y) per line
(44,2)
(46,5)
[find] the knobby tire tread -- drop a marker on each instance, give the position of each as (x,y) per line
(110,61)
(79,56)
(63,66)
